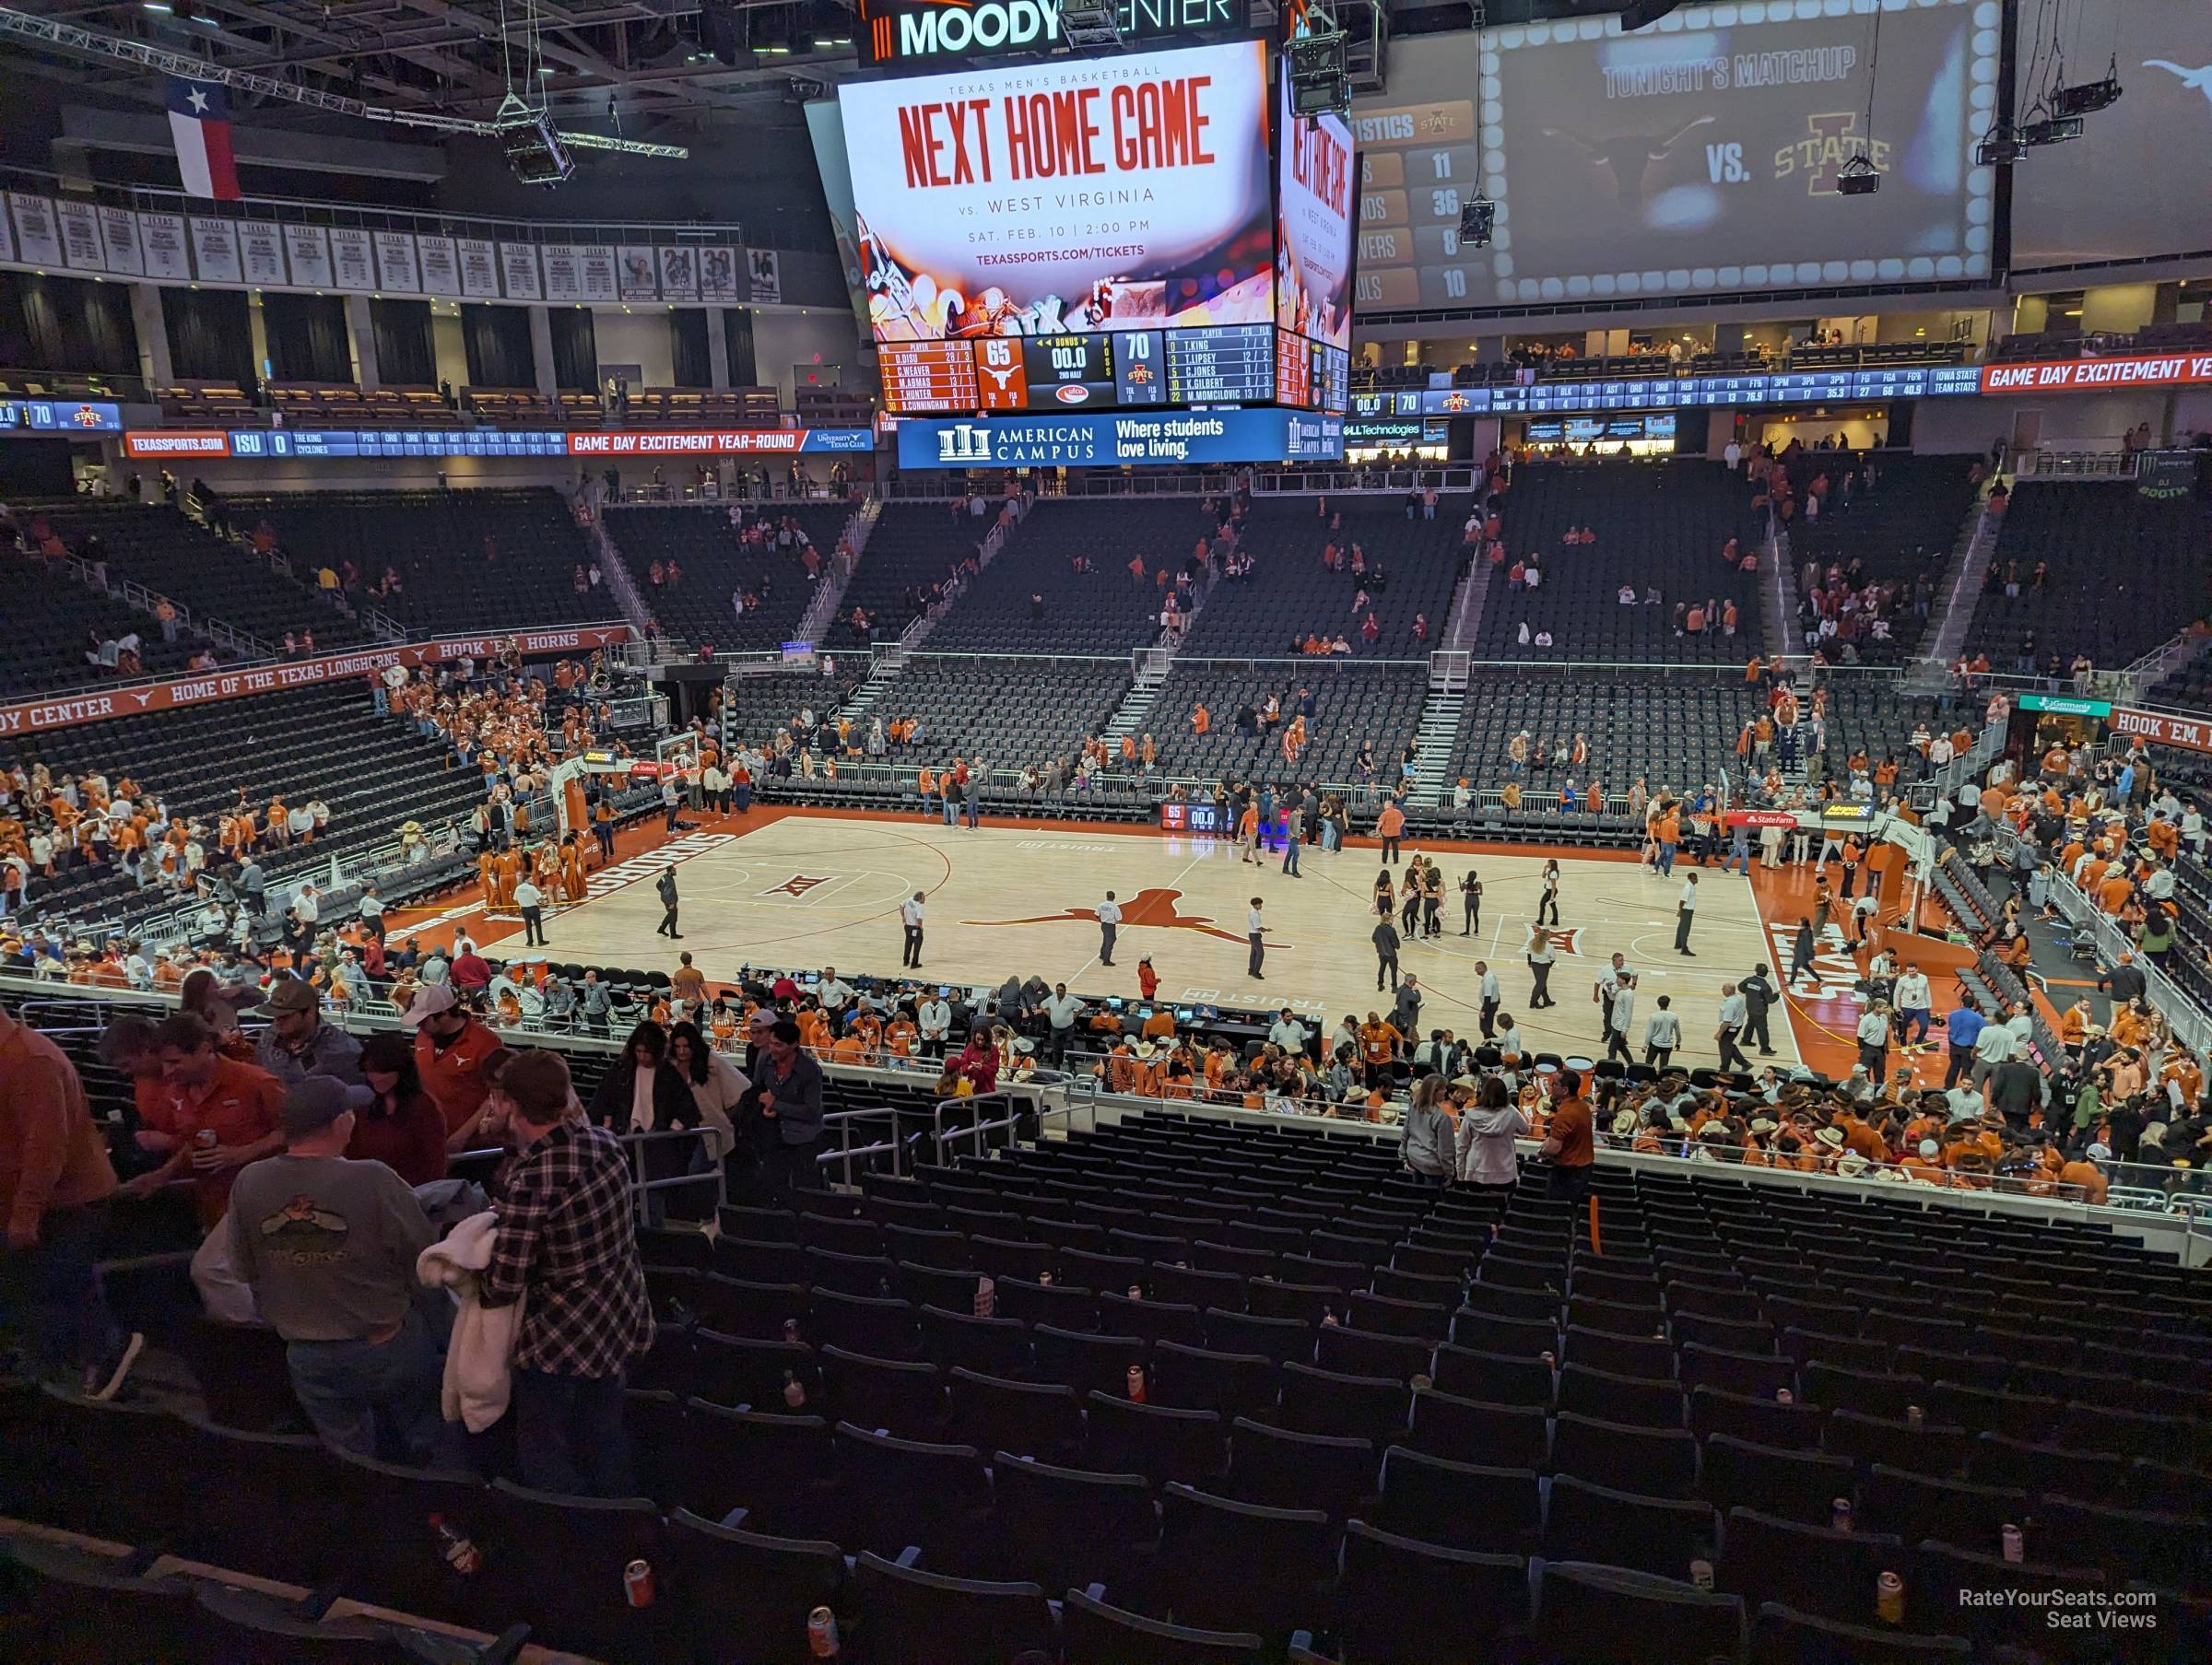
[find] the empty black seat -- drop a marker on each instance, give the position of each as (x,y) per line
(1656,1462)
(1498,1511)
(1094,1633)
(902,1491)
(1160,1442)
(1817,1569)
(1066,1526)
(1797,1485)
(1497,1437)
(1629,1618)
(1781,1635)
(1662,1535)
(1030,1419)
(923,1618)
(1285,1468)
(715,1571)
(1496,1378)
(1407,1602)
(1282,1557)
(1199,1378)
(1324,1402)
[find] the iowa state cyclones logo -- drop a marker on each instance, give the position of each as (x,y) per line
(1156,909)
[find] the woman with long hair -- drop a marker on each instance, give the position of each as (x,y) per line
(1385,895)
(1540,957)
(216,1003)
(401,1125)
(1549,899)
(1487,1130)
(641,1093)
(1409,901)
(1470,902)
(716,1085)
(1426,1146)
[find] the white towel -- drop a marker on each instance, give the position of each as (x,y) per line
(480,1359)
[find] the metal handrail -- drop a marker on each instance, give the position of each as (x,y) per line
(942,1139)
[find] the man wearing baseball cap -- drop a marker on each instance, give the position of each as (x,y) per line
(297,1043)
(329,1246)
(450,1047)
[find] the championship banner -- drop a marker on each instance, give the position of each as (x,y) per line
(104,705)
(2074,375)
(1109,193)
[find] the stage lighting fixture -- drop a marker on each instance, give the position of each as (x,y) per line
(1320,74)
(1858,177)
(535,151)
(2001,146)
(2052,129)
(2089,97)
(1477,216)
(1091,25)
(1642,14)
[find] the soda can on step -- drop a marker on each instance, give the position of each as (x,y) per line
(821,1634)
(637,1583)
(1889,1598)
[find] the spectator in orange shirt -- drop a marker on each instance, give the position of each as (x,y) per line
(213,1116)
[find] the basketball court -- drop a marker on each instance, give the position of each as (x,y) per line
(808,890)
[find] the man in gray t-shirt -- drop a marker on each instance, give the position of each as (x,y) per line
(329,1245)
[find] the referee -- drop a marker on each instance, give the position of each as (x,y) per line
(909,916)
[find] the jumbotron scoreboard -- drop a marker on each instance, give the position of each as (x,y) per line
(1147,231)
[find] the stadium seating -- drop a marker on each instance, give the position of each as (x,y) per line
(696,407)
(1354,706)
(323,742)
(2125,573)
(1670,732)
(1901,531)
(1356,1532)
(435,540)
(914,547)
(1012,712)
(1289,594)
(754,707)
(701,540)
(158,548)
(1103,609)
(51,622)
(1660,526)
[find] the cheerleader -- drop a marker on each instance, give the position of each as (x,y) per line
(1549,901)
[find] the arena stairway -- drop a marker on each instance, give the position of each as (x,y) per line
(1439,728)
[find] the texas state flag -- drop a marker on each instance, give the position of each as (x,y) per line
(199,119)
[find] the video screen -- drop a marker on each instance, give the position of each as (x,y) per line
(1701,154)
(1066,198)
(1313,225)
(2098,198)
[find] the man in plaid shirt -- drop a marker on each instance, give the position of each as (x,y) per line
(567,1241)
